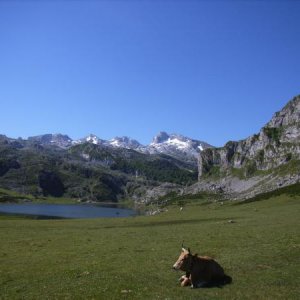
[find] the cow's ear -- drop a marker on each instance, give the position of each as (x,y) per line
(189,250)
(182,249)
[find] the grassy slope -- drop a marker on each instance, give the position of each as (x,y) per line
(10,196)
(85,259)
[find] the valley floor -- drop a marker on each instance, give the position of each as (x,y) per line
(132,258)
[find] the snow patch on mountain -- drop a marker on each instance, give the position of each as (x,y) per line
(178,143)
(93,139)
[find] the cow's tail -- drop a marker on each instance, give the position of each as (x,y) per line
(227,279)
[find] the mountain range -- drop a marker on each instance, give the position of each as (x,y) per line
(94,169)
(175,145)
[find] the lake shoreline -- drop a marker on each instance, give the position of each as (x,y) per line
(65,211)
(30,217)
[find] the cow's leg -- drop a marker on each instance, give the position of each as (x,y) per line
(193,283)
(186,282)
(200,284)
(183,277)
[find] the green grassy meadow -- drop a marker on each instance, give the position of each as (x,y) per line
(132,258)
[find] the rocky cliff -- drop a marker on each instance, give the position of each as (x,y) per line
(275,149)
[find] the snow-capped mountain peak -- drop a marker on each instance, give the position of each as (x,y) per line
(161,137)
(93,139)
(171,139)
(176,145)
(124,142)
(57,139)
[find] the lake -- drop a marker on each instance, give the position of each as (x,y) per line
(69,211)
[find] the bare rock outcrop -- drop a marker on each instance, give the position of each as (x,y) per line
(276,145)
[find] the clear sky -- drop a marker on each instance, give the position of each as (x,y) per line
(211,70)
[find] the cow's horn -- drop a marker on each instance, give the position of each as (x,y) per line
(183,249)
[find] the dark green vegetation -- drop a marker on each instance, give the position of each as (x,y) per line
(132,258)
(85,171)
(274,133)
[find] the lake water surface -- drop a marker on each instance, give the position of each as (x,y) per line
(66,210)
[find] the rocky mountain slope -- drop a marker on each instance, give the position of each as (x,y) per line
(60,140)
(260,163)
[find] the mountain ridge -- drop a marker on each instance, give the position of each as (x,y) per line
(175,145)
(260,163)
(88,171)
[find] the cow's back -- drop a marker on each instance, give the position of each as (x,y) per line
(208,269)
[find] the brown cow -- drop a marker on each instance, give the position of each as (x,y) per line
(201,271)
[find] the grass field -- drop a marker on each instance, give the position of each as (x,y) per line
(132,258)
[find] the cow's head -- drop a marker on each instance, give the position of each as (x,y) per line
(184,260)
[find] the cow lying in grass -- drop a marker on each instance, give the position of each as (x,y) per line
(201,271)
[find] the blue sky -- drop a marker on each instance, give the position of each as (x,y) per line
(210,70)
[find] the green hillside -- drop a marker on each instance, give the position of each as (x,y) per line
(85,171)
